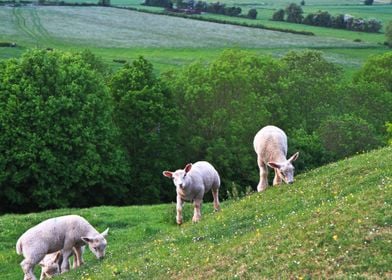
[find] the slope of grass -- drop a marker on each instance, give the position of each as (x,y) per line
(334,222)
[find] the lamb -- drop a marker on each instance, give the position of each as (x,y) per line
(65,233)
(50,264)
(192,183)
(270,144)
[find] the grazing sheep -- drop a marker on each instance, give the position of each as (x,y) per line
(66,233)
(192,183)
(51,263)
(270,144)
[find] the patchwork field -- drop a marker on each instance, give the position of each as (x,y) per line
(167,41)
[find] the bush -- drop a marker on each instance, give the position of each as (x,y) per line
(388,33)
(57,140)
(252,14)
(294,13)
(368,2)
(278,15)
(346,135)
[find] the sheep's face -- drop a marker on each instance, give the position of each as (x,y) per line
(285,170)
(179,176)
(97,244)
(51,265)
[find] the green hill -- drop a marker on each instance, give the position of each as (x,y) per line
(334,222)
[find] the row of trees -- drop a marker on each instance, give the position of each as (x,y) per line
(202,6)
(294,13)
(75,134)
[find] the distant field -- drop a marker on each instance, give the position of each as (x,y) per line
(167,41)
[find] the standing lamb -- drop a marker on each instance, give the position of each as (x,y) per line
(65,233)
(192,183)
(270,144)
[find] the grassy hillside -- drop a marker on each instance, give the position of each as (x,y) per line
(334,222)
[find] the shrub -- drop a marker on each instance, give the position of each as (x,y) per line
(346,135)
(278,15)
(252,14)
(58,143)
(294,13)
(388,34)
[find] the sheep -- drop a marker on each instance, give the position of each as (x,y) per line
(192,183)
(270,145)
(50,264)
(65,233)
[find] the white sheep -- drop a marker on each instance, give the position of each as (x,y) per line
(270,144)
(192,183)
(65,233)
(51,263)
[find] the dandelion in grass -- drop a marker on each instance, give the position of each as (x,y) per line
(335,237)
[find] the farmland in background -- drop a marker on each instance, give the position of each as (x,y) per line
(117,34)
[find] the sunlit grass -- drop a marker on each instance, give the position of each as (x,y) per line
(334,222)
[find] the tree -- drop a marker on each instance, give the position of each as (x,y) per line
(294,13)
(252,13)
(145,113)
(377,69)
(58,144)
(368,2)
(278,15)
(346,135)
(388,33)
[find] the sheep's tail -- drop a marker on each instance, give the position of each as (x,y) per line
(19,249)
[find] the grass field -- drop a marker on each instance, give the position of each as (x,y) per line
(335,222)
(166,41)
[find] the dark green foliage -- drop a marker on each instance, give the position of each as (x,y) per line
(278,15)
(388,34)
(57,139)
(159,3)
(368,2)
(252,13)
(346,135)
(294,13)
(145,113)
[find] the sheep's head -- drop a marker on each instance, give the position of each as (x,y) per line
(97,243)
(179,176)
(285,170)
(51,265)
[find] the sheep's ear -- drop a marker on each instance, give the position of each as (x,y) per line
(87,240)
(57,256)
(273,165)
(105,233)
(294,157)
(188,167)
(167,174)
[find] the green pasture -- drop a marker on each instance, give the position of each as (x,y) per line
(334,222)
(118,34)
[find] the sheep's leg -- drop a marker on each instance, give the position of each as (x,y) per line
(277,179)
(78,259)
(180,203)
(197,213)
(263,183)
(65,264)
(215,194)
(27,267)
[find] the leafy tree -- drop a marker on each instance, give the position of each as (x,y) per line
(368,2)
(57,140)
(252,13)
(389,131)
(377,69)
(278,15)
(308,90)
(146,116)
(294,13)
(388,33)
(338,22)
(346,135)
